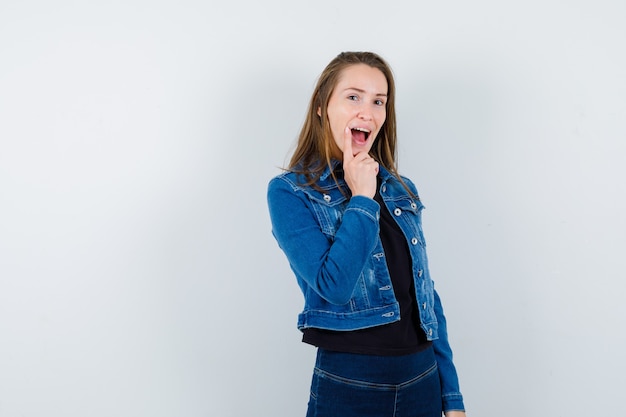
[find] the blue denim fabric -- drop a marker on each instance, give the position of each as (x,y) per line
(332,244)
(353,385)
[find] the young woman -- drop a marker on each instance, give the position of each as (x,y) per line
(350,226)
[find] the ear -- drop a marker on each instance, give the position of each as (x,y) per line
(319,111)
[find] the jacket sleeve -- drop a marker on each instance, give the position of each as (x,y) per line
(450,392)
(331,267)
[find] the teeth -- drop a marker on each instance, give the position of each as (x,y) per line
(362,129)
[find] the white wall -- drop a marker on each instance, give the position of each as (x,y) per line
(138,275)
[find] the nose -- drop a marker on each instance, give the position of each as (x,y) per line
(364,114)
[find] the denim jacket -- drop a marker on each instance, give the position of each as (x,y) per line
(332,243)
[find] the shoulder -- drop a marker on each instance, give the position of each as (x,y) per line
(286,179)
(294,182)
(290,185)
(401,186)
(409,184)
(287,185)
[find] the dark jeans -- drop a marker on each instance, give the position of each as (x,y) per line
(353,385)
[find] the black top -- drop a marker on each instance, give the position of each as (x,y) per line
(398,338)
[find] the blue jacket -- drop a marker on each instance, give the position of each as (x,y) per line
(332,243)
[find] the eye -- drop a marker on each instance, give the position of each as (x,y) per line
(379,102)
(353,97)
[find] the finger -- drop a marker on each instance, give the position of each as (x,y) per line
(347,145)
(371,162)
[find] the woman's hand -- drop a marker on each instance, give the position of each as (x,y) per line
(360,170)
(455,414)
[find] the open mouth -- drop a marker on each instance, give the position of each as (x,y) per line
(360,135)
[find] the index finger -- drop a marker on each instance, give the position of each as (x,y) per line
(347,144)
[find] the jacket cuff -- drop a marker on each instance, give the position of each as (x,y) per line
(365,205)
(453,402)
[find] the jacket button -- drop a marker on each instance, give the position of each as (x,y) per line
(327,198)
(413,205)
(397,212)
(424,306)
(384,188)
(419,273)
(414,241)
(430,332)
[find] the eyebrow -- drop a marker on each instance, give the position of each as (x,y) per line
(363,91)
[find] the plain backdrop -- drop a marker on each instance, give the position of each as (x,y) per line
(138,274)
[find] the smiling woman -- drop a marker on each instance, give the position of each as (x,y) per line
(350,227)
(357,103)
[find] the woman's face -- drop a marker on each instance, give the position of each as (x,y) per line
(359,102)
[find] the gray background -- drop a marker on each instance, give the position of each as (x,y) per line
(138,274)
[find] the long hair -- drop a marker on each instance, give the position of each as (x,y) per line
(315,143)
